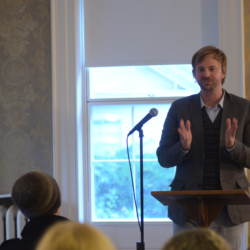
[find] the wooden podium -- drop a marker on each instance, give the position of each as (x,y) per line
(203,206)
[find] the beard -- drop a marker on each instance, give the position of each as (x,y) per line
(207,84)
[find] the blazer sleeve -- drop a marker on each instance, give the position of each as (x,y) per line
(240,108)
(241,152)
(170,152)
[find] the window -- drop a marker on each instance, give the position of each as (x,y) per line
(119,97)
(66,78)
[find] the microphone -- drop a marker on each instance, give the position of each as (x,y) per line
(152,112)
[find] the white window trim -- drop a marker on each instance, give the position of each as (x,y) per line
(67,82)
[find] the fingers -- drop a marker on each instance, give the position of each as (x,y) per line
(185,134)
(185,126)
(188,125)
(232,125)
(235,123)
(230,133)
(228,124)
(182,125)
(232,121)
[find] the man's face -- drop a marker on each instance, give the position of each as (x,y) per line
(208,73)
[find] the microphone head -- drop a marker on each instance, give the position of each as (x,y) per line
(153,112)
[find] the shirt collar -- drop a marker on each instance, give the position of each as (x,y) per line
(220,104)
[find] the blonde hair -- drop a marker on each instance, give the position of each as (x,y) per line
(74,236)
(197,239)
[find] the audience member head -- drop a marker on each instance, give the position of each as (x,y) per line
(74,236)
(197,239)
(36,194)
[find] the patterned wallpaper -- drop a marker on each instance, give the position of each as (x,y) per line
(25,89)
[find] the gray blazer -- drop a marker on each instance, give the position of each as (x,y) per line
(189,167)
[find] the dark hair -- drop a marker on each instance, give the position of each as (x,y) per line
(36,194)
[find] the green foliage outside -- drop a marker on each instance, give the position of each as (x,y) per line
(113,189)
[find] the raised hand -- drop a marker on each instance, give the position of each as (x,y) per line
(230,133)
(185,134)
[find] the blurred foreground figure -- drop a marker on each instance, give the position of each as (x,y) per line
(197,239)
(74,236)
(38,197)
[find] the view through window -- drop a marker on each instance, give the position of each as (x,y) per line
(119,97)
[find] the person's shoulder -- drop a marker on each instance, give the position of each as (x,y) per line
(11,244)
(235,99)
(60,218)
(186,99)
(45,220)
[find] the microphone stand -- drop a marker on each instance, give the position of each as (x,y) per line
(141,245)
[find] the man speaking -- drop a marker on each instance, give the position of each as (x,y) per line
(207,137)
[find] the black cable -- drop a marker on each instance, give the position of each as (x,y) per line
(133,186)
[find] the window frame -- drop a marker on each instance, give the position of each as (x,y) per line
(116,101)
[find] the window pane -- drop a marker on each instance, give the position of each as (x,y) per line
(141,81)
(111,184)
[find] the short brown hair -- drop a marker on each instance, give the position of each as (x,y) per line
(36,194)
(218,54)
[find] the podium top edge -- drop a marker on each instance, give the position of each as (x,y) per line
(202,192)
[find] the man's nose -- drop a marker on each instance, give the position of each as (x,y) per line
(206,73)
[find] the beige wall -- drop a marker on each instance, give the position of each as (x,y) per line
(25,89)
(247,46)
(247,63)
